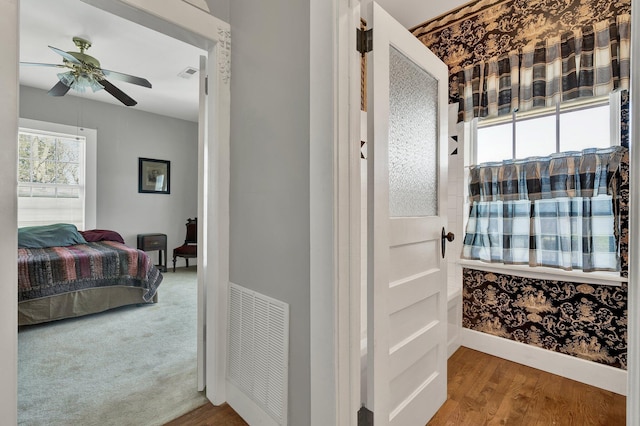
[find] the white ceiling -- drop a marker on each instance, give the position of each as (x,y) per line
(119,45)
(414,12)
(123,46)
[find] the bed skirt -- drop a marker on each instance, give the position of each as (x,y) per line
(78,303)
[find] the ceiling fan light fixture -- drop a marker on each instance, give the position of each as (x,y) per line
(66,78)
(86,73)
(79,83)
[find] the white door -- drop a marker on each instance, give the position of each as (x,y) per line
(407,169)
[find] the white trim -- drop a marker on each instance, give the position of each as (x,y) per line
(200,26)
(544,273)
(9,34)
(346,215)
(633,344)
(356,250)
(251,412)
(202,212)
(591,373)
(325,333)
(217,205)
(335,359)
(615,117)
(454,309)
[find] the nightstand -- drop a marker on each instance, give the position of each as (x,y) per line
(151,242)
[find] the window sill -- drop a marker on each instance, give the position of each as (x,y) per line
(542,273)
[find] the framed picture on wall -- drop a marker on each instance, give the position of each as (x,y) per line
(154,176)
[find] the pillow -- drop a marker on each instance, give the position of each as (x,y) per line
(59,234)
(95,235)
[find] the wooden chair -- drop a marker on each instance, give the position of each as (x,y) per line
(189,249)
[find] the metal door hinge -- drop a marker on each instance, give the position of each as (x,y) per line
(364,40)
(206,85)
(365,417)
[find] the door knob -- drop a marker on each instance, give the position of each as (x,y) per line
(448,236)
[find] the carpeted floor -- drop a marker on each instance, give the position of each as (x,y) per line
(129,366)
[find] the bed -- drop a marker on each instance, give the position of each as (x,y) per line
(62,274)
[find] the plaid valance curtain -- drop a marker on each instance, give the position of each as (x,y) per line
(591,62)
(559,211)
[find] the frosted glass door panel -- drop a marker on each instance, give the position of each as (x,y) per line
(413,139)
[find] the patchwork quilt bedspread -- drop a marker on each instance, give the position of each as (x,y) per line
(44,272)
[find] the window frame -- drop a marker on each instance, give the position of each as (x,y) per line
(90,160)
(470,130)
(613,100)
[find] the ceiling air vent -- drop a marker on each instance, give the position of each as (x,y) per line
(188,72)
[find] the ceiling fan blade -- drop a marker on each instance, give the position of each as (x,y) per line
(117,93)
(38,64)
(60,89)
(66,55)
(127,78)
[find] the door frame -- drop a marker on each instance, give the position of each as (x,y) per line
(334,205)
(191,25)
(335,202)
(9,32)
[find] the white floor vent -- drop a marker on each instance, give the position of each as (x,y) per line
(259,349)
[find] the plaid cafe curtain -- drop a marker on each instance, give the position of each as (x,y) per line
(590,62)
(559,211)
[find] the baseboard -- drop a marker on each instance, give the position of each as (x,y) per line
(454,322)
(591,373)
(453,345)
(246,408)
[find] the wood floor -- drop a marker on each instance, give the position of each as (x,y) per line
(485,390)
(209,415)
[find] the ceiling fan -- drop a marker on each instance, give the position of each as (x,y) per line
(85,72)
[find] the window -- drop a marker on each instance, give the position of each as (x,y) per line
(571,127)
(53,183)
(541,194)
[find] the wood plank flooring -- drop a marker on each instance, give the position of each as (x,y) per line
(209,415)
(486,390)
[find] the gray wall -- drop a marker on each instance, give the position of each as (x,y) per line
(124,134)
(219,9)
(269,200)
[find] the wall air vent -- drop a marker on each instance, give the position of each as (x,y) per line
(258,362)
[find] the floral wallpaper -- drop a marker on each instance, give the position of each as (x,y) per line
(583,320)
(488,28)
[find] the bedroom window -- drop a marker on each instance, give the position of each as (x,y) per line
(52,178)
(544,190)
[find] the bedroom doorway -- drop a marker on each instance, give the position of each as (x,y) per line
(211,35)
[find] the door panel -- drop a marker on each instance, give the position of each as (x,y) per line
(411,259)
(407,168)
